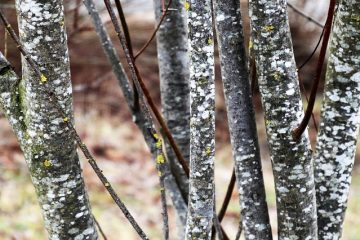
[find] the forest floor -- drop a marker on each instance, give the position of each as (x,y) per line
(105,125)
(125,160)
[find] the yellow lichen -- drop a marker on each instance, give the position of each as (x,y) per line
(269,28)
(159,143)
(208,151)
(268,122)
(250,44)
(65,119)
(210,41)
(47,163)
(356,19)
(159,173)
(160,159)
(187,5)
(43,78)
(156,136)
(276,75)
(107,184)
(62,23)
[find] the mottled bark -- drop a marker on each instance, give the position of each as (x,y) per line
(174,83)
(278,83)
(141,117)
(47,143)
(340,118)
(202,121)
(242,125)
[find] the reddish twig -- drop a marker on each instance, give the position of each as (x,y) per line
(137,79)
(155,31)
(297,132)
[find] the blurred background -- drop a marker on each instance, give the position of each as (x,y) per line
(104,123)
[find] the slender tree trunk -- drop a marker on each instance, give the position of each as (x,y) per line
(202,122)
(47,143)
(340,118)
(174,85)
(141,117)
(292,165)
(174,82)
(242,125)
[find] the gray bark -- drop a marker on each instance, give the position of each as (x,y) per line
(47,143)
(278,83)
(202,121)
(141,117)
(340,118)
(174,83)
(242,125)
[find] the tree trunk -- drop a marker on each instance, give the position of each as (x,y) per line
(174,85)
(47,143)
(202,122)
(242,125)
(141,116)
(174,82)
(336,146)
(292,164)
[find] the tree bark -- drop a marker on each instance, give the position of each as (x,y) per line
(202,121)
(278,83)
(174,82)
(175,90)
(336,145)
(47,143)
(141,116)
(242,125)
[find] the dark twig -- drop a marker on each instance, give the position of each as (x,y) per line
(124,26)
(52,98)
(313,52)
(307,100)
(304,15)
(129,45)
(227,198)
(137,79)
(155,31)
(297,132)
(100,229)
(238,234)
(160,160)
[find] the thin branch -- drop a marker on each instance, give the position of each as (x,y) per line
(100,229)
(129,45)
(137,79)
(160,160)
(227,198)
(297,132)
(307,100)
(238,234)
(313,52)
(124,26)
(141,115)
(53,100)
(304,15)
(155,31)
